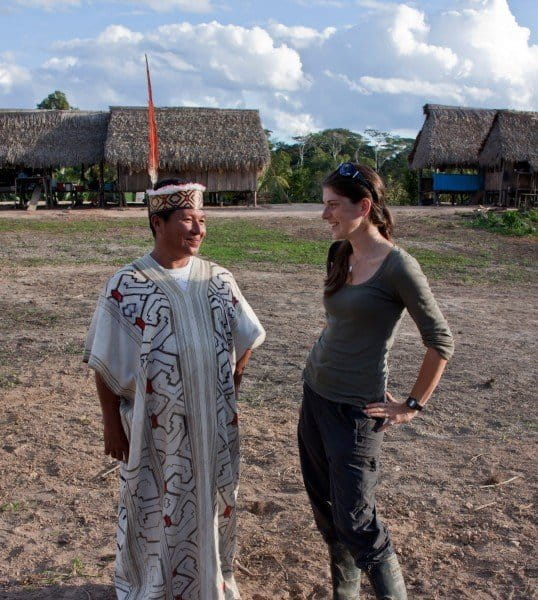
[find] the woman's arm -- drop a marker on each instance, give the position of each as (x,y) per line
(396,411)
(116,442)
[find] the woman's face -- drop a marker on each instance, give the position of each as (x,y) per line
(343,216)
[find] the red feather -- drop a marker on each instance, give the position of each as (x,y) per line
(153,154)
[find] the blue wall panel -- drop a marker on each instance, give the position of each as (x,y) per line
(454,182)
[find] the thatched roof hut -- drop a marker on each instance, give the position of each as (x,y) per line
(450,137)
(52,138)
(225,149)
(512,138)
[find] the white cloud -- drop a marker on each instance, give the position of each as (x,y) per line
(60,63)
(118,34)
(46,4)
(299,37)
(229,54)
(408,33)
(378,70)
(429,89)
(12,75)
(194,6)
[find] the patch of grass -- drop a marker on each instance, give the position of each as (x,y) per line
(12,507)
(8,382)
(243,241)
(439,265)
(78,569)
(510,222)
(60,226)
(73,348)
(27,316)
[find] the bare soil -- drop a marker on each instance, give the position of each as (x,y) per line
(456,538)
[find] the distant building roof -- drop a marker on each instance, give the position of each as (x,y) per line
(52,138)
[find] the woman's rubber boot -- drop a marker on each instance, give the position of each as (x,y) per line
(346,576)
(387,579)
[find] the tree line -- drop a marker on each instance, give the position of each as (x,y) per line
(297,168)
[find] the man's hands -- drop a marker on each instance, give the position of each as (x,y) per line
(240,369)
(396,412)
(116,442)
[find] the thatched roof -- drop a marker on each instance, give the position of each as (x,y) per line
(450,137)
(189,139)
(52,138)
(513,137)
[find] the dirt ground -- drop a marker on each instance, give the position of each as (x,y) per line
(456,538)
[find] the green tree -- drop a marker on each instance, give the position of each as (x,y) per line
(274,183)
(385,146)
(56,100)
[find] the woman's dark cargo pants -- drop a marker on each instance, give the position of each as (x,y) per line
(339,454)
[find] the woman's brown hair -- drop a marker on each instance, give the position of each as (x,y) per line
(371,187)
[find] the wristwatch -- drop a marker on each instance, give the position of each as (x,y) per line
(413,403)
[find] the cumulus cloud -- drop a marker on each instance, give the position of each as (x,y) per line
(62,63)
(376,71)
(194,6)
(12,75)
(233,55)
(45,4)
(300,37)
(408,33)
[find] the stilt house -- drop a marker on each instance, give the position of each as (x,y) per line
(509,157)
(224,149)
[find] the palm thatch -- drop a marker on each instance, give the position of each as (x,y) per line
(190,139)
(450,137)
(52,138)
(513,137)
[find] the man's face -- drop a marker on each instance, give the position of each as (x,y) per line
(183,233)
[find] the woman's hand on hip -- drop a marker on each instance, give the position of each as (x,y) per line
(395,412)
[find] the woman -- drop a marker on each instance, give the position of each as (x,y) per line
(346,406)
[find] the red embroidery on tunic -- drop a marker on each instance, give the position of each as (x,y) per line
(235,420)
(149,387)
(116,295)
(167,521)
(235,301)
(140,323)
(228,512)
(154,421)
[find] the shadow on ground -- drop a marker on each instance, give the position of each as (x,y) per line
(60,592)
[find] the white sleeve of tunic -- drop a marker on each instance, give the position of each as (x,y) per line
(113,349)
(247,331)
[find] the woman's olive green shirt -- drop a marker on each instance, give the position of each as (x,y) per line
(348,363)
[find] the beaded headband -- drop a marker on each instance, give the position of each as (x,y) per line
(185,195)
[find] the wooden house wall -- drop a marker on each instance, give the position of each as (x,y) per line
(510,180)
(215,181)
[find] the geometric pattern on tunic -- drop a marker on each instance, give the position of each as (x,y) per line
(157,555)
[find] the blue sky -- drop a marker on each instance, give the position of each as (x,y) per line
(306,64)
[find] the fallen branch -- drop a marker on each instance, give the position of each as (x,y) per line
(103,474)
(475,457)
(484,506)
(491,485)
(243,569)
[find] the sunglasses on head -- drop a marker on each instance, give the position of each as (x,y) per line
(348,169)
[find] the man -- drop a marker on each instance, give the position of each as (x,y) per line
(169,342)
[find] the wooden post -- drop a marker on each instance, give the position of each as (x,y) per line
(419,187)
(255,198)
(101,185)
(501,175)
